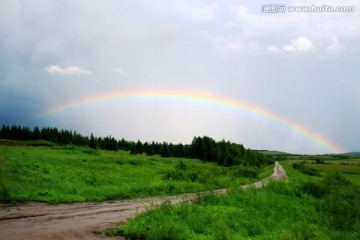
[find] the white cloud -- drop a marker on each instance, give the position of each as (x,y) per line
(335,45)
(273,49)
(120,71)
(301,44)
(56,69)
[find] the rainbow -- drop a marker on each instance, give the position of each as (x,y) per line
(320,140)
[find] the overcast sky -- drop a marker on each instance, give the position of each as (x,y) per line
(304,67)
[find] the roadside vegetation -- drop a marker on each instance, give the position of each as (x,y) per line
(50,172)
(303,207)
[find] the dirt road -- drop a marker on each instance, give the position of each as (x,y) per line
(82,220)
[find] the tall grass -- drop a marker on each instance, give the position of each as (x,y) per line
(290,210)
(66,173)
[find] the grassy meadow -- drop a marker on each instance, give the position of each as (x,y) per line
(350,167)
(324,206)
(317,201)
(48,172)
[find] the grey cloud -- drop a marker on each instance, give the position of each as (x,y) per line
(16,108)
(299,66)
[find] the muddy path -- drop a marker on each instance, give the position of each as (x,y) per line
(85,220)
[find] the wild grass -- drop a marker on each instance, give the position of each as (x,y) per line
(67,173)
(352,161)
(303,207)
(350,168)
(354,178)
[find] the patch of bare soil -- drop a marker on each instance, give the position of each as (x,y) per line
(35,220)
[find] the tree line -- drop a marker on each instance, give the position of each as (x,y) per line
(224,153)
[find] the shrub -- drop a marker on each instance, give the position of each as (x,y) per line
(336,180)
(120,162)
(341,203)
(315,189)
(245,171)
(4,194)
(342,208)
(181,165)
(306,170)
(174,175)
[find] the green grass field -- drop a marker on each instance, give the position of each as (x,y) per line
(350,168)
(347,169)
(302,207)
(67,173)
(350,162)
(319,206)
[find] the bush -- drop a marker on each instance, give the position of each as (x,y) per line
(245,171)
(4,194)
(315,189)
(196,174)
(342,209)
(181,165)
(175,175)
(336,180)
(306,170)
(341,203)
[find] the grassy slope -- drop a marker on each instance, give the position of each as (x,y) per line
(66,173)
(280,211)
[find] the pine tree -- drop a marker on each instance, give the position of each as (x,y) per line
(92,142)
(36,133)
(5,132)
(123,145)
(165,151)
(139,147)
(132,147)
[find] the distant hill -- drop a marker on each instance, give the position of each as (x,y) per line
(273,152)
(351,154)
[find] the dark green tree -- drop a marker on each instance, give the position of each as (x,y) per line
(165,151)
(139,147)
(5,132)
(36,133)
(132,147)
(92,141)
(123,145)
